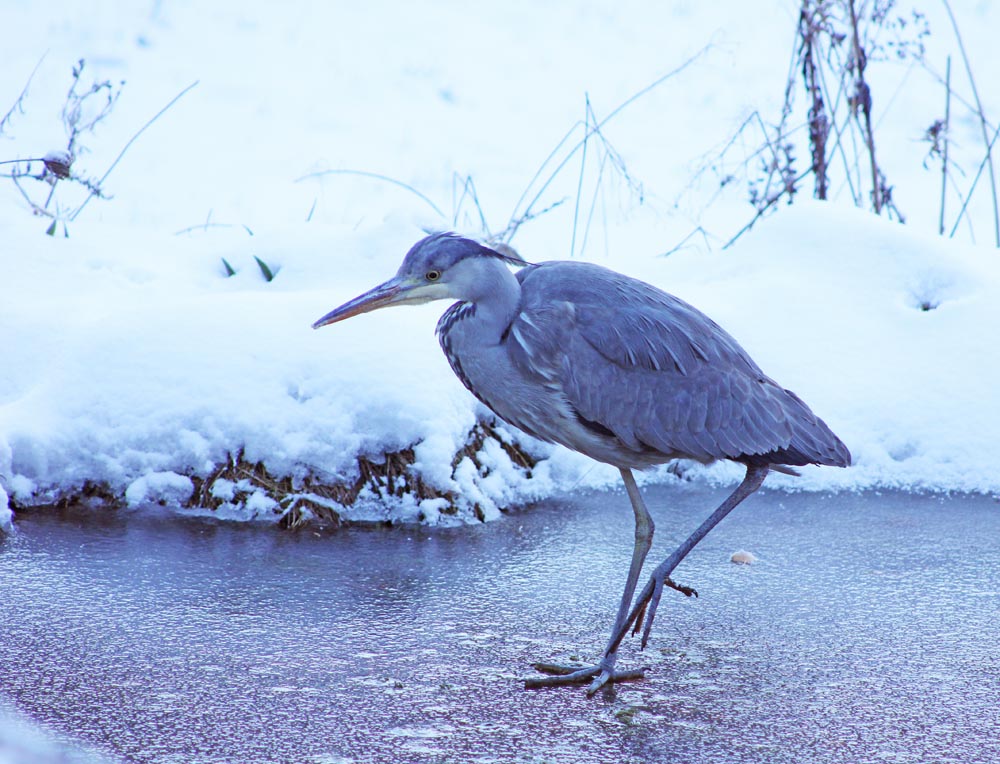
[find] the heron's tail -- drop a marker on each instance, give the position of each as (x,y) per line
(813,442)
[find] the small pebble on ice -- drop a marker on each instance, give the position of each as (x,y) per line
(743,557)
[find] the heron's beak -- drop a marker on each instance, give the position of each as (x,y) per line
(395,291)
(380,297)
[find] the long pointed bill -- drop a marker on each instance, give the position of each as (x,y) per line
(381,296)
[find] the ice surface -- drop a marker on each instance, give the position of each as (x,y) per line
(864,632)
(131,361)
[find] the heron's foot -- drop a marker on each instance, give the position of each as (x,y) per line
(687,591)
(649,600)
(561,675)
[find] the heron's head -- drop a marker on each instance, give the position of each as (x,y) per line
(441,266)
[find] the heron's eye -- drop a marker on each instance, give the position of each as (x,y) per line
(433,275)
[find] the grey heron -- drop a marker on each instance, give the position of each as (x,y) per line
(612,367)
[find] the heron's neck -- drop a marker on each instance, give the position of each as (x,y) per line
(497,297)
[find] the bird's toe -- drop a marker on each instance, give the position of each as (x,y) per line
(560,675)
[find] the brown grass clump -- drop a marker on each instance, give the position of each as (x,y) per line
(300,502)
(313,501)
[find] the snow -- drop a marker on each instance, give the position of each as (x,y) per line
(24,742)
(743,557)
(6,513)
(132,361)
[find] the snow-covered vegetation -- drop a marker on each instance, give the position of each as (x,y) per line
(156,343)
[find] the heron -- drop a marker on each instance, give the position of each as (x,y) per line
(577,354)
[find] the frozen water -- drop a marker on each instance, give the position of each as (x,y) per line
(864,632)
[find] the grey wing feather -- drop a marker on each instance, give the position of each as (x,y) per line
(658,373)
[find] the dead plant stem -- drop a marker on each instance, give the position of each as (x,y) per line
(131,140)
(982,124)
(944,151)
(982,165)
(863,93)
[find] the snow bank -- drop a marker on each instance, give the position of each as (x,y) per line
(140,374)
(135,373)
(134,365)
(887,334)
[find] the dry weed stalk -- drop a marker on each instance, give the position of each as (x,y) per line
(835,43)
(83,110)
(530,201)
(584,138)
(315,500)
(988,159)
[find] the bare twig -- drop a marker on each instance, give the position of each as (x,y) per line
(956,95)
(468,191)
(961,197)
(679,245)
(786,111)
(838,129)
(20,161)
(209,223)
(768,152)
(73,114)
(538,173)
(589,131)
(206,226)
(376,176)
(19,101)
(988,161)
(944,154)
(761,211)
(819,127)
(607,154)
(34,207)
(588,113)
(593,205)
(863,99)
(131,140)
(507,233)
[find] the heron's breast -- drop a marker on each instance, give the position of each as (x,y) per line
(530,402)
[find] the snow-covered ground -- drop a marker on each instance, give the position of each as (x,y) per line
(133,362)
(22,742)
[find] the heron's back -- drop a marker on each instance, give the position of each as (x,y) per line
(620,370)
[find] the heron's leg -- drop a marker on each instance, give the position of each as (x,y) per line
(644,527)
(649,597)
